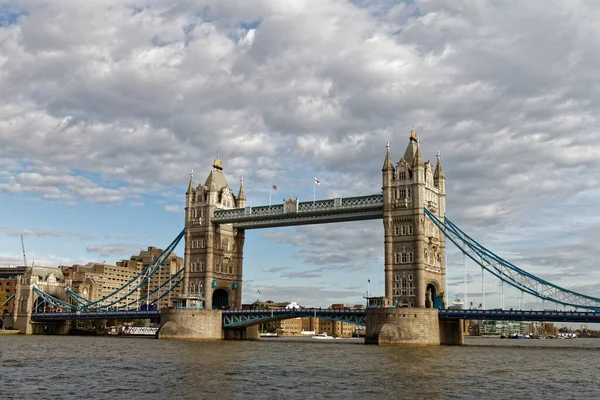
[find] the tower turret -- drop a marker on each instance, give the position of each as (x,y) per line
(189,197)
(387,175)
(438,175)
(241,197)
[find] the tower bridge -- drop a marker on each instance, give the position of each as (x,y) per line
(412,207)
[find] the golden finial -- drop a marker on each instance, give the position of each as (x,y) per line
(413,134)
(217,164)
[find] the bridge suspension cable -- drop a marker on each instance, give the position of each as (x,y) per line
(173,281)
(108,300)
(509,273)
(12,296)
(143,277)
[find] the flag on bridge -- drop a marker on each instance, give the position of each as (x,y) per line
(274,187)
(318,182)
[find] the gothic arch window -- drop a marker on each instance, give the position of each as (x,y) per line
(192,287)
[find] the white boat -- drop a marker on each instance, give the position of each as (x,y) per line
(322,336)
(139,331)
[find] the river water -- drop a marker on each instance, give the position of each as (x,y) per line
(74,367)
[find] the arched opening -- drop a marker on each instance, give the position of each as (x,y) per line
(433,299)
(40,305)
(220,298)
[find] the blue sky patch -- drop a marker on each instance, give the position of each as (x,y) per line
(10,13)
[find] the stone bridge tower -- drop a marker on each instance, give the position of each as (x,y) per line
(415,268)
(213,253)
(49,280)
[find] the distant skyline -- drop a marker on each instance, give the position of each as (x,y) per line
(106,108)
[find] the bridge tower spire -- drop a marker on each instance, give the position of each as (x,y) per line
(415,270)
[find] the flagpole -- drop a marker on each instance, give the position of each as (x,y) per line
(270,190)
(314,191)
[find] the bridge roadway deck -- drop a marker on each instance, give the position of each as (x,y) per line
(241,318)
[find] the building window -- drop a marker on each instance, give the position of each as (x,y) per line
(396,229)
(402,193)
(406,258)
(403,175)
(397,258)
(201,266)
(397,278)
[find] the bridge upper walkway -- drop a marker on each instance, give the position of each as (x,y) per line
(303,213)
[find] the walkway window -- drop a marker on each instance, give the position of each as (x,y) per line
(407,229)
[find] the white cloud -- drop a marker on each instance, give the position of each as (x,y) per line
(108,102)
(173,208)
(41,233)
(112,249)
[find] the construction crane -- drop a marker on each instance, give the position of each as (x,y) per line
(23,247)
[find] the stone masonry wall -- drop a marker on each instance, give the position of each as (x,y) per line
(403,326)
(191,324)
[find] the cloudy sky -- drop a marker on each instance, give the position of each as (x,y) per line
(105,108)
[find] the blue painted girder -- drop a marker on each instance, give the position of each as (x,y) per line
(242,318)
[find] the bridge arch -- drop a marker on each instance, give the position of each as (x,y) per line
(220,298)
(40,305)
(434,295)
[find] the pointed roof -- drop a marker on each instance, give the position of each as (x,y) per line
(216,178)
(241,195)
(413,155)
(387,163)
(439,173)
(190,188)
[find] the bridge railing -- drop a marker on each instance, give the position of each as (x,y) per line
(339,204)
